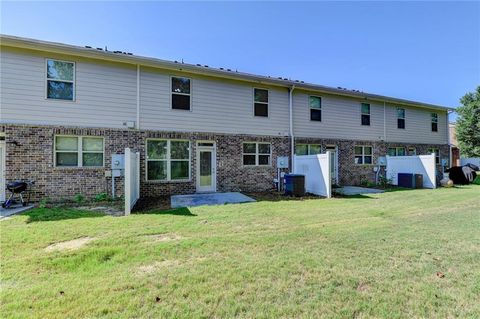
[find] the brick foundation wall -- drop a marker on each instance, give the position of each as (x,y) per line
(350,173)
(30,155)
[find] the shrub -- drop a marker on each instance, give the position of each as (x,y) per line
(102,197)
(78,198)
(43,202)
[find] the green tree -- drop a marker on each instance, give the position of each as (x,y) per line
(468,124)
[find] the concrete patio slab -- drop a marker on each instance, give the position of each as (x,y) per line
(178,201)
(355,190)
(5,212)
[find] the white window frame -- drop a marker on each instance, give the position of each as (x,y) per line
(402,118)
(186,94)
(313,108)
(308,148)
(257,154)
(168,160)
(396,150)
(363,154)
(433,119)
(66,81)
(266,103)
(414,151)
(369,114)
(79,151)
(435,150)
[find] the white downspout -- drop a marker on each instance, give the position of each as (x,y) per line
(292,138)
(138,96)
(450,164)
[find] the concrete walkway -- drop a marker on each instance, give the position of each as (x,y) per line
(178,201)
(5,212)
(355,190)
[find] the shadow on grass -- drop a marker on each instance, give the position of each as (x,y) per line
(184,211)
(54,214)
(275,196)
(356,196)
(398,189)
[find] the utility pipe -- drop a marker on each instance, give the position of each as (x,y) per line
(292,139)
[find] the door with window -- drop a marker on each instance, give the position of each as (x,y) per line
(333,163)
(2,171)
(206,167)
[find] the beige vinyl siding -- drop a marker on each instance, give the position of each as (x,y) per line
(340,118)
(105,93)
(418,128)
(219,106)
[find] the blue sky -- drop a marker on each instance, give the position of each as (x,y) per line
(425,51)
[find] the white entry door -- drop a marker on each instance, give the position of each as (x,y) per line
(333,163)
(206,167)
(2,171)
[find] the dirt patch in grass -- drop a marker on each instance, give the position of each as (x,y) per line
(70,244)
(151,268)
(362,287)
(163,237)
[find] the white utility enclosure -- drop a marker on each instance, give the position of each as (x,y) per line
(471,160)
(132,179)
(316,169)
(418,164)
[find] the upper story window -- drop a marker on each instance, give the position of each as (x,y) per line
(434,122)
(365,114)
(315,104)
(308,149)
(396,151)
(168,160)
(60,80)
(80,151)
(363,155)
(181,97)
(400,118)
(260,103)
(257,154)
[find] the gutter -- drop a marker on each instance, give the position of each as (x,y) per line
(292,138)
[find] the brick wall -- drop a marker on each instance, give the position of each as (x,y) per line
(30,155)
(352,174)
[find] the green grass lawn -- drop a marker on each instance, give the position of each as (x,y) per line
(402,254)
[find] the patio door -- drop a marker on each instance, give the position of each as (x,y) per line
(206,167)
(333,163)
(2,171)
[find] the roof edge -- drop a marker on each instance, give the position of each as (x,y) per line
(61,48)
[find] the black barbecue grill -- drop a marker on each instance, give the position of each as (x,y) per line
(17,187)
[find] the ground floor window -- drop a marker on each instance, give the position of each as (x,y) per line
(308,149)
(257,154)
(79,151)
(168,160)
(396,151)
(363,155)
(412,151)
(437,154)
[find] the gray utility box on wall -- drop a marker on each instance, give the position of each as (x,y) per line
(118,165)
